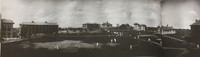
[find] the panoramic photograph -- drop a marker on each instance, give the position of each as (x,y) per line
(100,28)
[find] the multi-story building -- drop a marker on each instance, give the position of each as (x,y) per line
(33,28)
(195,32)
(91,26)
(7,28)
(106,25)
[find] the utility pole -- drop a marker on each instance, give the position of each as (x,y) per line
(161,21)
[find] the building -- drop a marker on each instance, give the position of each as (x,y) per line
(195,32)
(166,30)
(139,27)
(91,26)
(33,28)
(106,25)
(71,30)
(7,28)
(152,30)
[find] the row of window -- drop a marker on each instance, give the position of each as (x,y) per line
(6,29)
(9,25)
(6,35)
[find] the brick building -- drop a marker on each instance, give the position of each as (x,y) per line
(6,28)
(33,28)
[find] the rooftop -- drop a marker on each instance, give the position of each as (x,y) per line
(196,23)
(106,23)
(7,21)
(90,23)
(38,23)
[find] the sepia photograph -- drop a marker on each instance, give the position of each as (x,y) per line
(100,28)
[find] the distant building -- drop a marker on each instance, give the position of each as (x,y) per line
(7,28)
(91,26)
(195,32)
(71,30)
(152,30)
(139,27)
(33,28)
(166,30)
(106,25)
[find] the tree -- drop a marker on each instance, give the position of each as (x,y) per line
(124,26)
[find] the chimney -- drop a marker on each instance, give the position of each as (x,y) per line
(196,20)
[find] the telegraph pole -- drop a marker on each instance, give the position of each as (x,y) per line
(161,21)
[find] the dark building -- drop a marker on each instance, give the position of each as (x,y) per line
(7,28)
(195,32)
(91,26)
(33,28)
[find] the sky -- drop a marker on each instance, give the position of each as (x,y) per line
(73,13)
(180,13)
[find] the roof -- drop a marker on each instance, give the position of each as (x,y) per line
(90,23)
(38,23)
(196,23)
(136,24)
(106,23)
(7,21)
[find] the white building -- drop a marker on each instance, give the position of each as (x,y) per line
(139,27)
(167,30)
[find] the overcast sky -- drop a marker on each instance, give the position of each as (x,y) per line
(73,13)
(180,13)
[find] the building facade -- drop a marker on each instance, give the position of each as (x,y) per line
(106,25)
(195,32)
(91,26)
(72,30)
(33,28)
(166,30)
(6,28)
